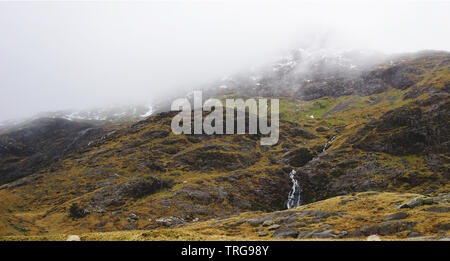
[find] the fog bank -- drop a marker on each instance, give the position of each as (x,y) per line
(56,56)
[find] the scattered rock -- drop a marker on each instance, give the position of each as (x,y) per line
(342,234)
(73,238)
(345,201)
(414,234)
(325,234)
(373,238)
(418,201)
(307,233)
(396,216)
(320,214)
(386,228)
(321,129)
(267,223)
(442,226)
(255,221)
(423,238)
(437,209)
(273,227)
(285,233)
(166,222)
(262,234)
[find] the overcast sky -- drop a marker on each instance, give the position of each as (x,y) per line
(62,55)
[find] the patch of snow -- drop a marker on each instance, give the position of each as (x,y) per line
(149,112)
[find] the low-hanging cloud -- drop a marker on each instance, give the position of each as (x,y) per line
(65,55)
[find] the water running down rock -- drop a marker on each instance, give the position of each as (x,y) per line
(294,198)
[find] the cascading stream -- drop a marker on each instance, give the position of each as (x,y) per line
(294,197)
(325,147)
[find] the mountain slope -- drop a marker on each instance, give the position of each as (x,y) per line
(382,129)
(351,217)
(35,145)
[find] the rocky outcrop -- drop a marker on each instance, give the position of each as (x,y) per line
(298,157)
(421,127)
(37,144)
(346,148)
(383,229)
(115,196)
(213,157)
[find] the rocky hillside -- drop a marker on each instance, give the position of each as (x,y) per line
(382,129)
(360,216)
(35,145)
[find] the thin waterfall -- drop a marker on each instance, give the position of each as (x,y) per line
(294,197)
(327,145)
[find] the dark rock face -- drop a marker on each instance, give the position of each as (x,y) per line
(367,83)
(203,196)
(293,129)
(298,157)
(139,188)
(342,172)
(24,181)
(414,129)
(76,212)
(397,77)
(321,129)
(155,134)
(403,74)
(249,190)
(303,133)
(41,142)
(114,196)
(153,166)
(411,129)
(212,157)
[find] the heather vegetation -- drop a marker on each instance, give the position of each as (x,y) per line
(370,152)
